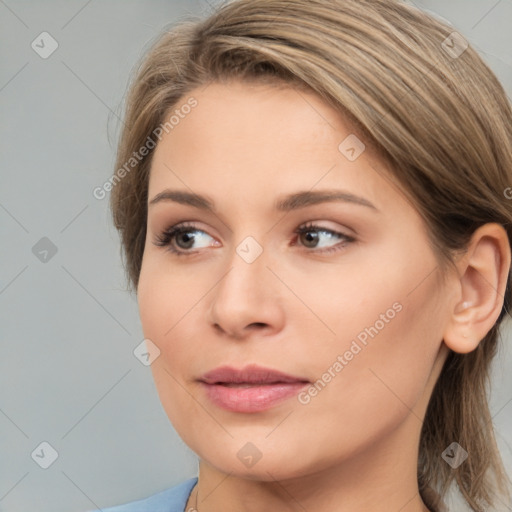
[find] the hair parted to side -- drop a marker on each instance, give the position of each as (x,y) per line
(443,122)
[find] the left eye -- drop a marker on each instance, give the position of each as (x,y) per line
(184,236)
(317,231)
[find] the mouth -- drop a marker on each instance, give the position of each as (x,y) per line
(250,389)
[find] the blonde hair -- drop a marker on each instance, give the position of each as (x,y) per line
(427,103)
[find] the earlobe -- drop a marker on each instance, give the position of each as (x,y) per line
(483,274)
(459,335)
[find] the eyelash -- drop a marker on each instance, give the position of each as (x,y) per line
(167,236)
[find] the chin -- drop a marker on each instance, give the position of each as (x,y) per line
(276,465)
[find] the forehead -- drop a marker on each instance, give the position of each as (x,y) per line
(252,112)
(244,138)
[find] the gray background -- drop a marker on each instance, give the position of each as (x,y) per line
(68,375)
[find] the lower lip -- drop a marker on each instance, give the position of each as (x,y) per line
(253,398)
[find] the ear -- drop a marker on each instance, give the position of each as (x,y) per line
(483,274)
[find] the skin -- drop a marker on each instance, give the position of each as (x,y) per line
(354,446)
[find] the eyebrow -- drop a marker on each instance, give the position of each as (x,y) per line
(291,202)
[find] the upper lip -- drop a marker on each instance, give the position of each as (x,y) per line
(251,374)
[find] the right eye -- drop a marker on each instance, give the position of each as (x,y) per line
(182,235)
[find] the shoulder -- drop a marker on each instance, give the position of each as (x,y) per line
(173,499)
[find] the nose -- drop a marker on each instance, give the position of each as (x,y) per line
(248,299)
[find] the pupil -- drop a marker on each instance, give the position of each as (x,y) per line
(187,238)
(311,236)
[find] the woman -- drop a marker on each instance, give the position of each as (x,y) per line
(312,202)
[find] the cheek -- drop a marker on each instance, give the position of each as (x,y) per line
(166,300)
(387,326)
(387,339)
(166,296)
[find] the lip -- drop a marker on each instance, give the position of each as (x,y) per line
(252,388)
(250,374)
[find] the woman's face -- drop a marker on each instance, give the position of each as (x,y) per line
(354,304)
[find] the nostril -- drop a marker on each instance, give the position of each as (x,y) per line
(258,324)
